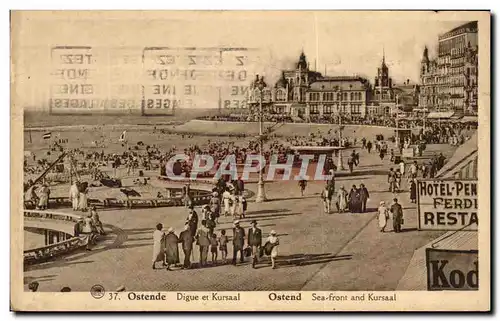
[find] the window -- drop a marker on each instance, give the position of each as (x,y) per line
(339,96)
(327,109)
(314,109)
(352,96)
(281,95)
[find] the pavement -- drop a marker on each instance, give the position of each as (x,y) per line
(317,251)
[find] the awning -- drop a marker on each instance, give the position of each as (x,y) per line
(440,115)
(469,119)
(464,154)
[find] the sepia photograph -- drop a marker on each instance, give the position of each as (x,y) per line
(266,160)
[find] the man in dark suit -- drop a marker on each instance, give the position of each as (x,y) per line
(238,241)
(186,238)
(364,196)
(255,242)
(240,186)
(397,216)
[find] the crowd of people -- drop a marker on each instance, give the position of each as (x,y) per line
(249,244)
(355,201)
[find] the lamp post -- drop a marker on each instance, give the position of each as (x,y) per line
(261,195)
(397,123)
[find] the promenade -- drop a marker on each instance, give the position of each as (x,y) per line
(317,251)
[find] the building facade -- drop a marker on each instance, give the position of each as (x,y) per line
(304,94)
(382,100)
(334,95)
(449,82)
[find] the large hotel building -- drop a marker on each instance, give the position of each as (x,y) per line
(306,94)
(449,82)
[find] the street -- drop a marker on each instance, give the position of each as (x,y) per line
(317,251)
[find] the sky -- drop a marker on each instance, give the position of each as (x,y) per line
(340,43)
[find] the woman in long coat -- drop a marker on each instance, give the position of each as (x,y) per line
(413,191)
(272,243)
(171,248)
(158,239)
(341,200)
(383,216)
(83,197)
(354,200)
(44,197)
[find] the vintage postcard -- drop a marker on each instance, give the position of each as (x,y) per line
(250,161)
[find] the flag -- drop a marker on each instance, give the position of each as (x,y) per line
(47,135)
(122,137)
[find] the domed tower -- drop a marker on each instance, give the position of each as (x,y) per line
(424,63)
(383,74)
(301,81)
(302,63)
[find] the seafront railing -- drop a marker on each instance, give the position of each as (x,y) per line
(45,253)
(201,196)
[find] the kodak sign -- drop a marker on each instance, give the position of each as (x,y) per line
(452,270)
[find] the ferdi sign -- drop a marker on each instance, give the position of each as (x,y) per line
(452,270)
(447,205)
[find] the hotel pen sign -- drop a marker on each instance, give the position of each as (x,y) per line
(447,205)
(452,270)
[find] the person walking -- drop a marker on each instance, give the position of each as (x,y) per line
(243,206)
(186,195)
(235,204)
(171,249)
(369,146)
(223,245)
(226,198)
(203,241)
(255,242)
(213,248)
(326,197)
(43,202)
(391,179)
(413,191)
(413,170)
(350,163)
(397,216)
(354,200)
(302,186)
(383,216)
(238,242)
(341,200)
(271,247)
(215,206)
(397,180)
(192,220)
(239,186)
(74,195)
(186,239)
(158,239)
(84,189)
(210,224)
(402,168)
(96,221)
(364,196)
